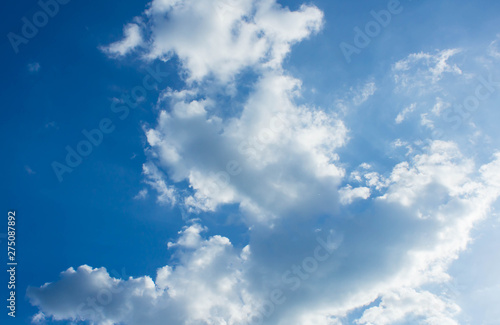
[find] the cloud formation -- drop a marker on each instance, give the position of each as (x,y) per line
(220,38)
(325,239)
(409,240)
(275,158)
(132,40)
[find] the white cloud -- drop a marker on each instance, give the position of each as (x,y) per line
(280,163)
(410,235)
(356,96)
(443,166)
(421,307)
(155,178)
(273,147)
(220,38)
(494,48)
(440,106)
(366,92)
(365,166)
(425,121)
(142,194)
(349,194)
(132,39)
(404,113)
(205,288)
(39,318)
(422,70)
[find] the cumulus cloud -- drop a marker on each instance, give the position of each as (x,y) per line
(314,255)
(410,305)
(273,147)
(349,194)
(220,38)
(410,235)
(206,289)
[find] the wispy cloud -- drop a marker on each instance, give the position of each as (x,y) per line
(34,67)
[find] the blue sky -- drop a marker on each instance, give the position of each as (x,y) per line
(249,139)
